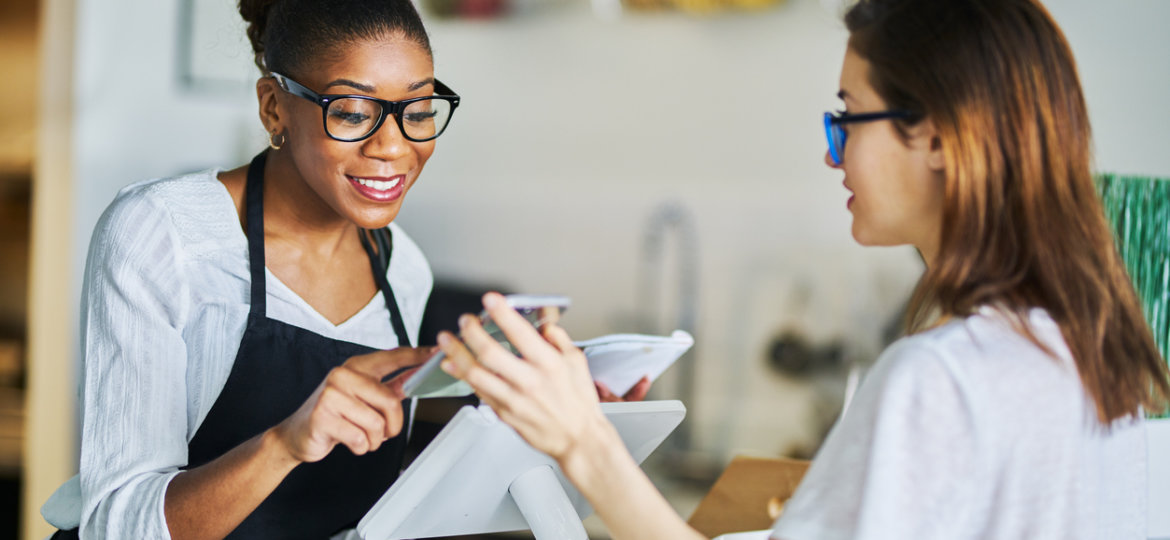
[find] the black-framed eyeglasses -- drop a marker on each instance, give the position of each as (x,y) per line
(836,134)
(352,118)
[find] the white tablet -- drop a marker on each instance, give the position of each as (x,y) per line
(463,482)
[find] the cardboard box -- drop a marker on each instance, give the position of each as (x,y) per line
(748,496)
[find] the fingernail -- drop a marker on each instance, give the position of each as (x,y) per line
(490,300)
(448,366)
(445,338)
(463,320)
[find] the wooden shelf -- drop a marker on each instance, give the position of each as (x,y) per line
(18,94)
(18,116)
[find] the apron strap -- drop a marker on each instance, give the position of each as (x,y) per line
(380,264)
(254,214)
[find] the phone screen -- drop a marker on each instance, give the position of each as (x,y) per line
(537,316)
(431,381)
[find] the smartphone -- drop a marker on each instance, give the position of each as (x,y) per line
(431,381)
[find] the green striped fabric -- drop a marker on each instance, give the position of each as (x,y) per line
(1139,210)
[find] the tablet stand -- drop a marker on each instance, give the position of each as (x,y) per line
(545,505)
(478,476)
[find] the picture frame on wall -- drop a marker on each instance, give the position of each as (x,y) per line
(214,56)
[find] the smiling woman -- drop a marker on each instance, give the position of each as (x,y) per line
(239,323)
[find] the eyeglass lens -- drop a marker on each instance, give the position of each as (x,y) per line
(353,118)
(837,139)
(836,136)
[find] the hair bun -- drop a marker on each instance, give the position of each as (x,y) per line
(255,13)
(288,35)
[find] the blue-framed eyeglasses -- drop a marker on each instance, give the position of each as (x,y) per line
(352,118)
(836,134)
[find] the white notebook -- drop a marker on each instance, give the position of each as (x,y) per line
(620,360)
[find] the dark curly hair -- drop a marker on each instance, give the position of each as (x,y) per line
(287,34)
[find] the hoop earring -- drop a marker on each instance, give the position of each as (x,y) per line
(272,140)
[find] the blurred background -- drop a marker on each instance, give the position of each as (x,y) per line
(659,161)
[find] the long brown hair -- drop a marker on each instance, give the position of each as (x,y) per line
(1022,224)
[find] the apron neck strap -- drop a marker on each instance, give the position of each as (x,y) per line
(254,216)
(380,265)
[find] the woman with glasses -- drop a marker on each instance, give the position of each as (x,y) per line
(1013,409)
(239,324)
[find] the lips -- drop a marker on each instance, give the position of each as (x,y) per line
(379,188)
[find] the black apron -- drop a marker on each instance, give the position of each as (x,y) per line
(277,368)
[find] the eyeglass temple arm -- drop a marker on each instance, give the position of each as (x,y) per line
(444,90)
(295,88)
(865,117)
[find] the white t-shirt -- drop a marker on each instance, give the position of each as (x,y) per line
(970,431)
(164,305)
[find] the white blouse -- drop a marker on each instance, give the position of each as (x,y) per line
(164,305)
(970,431)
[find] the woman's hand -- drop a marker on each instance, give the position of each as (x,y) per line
(550,399)
(548,396)
(635,393)
(352,406)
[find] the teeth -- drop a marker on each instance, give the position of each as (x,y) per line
(378,184)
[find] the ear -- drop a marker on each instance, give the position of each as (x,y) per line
(924,133)
(935,159)
(271,109)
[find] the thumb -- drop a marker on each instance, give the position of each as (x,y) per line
(604,394)
(638,391)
